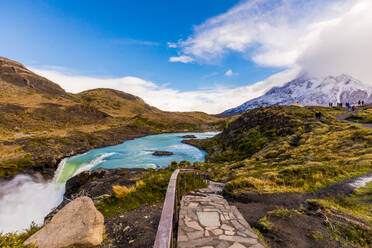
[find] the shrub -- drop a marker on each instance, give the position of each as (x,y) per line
(317,236)
(15,240)
(121,191)
(281,213)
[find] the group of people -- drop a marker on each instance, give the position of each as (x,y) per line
(348,105)
(318,115)
(360,103)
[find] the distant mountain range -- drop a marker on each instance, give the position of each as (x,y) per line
(308,90)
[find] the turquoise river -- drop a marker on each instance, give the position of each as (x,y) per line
(24,200)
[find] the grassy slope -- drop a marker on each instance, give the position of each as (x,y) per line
(284,149)
(40,123)
(362,116)
(276,150)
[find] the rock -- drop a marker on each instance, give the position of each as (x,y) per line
(162,153)
(78,223)
(209,218)
(189,136)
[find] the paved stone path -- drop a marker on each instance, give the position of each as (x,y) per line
(207,221)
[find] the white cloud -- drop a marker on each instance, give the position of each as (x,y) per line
(229,73)
(172,45)
(328,37)
(343,46)
(211,101)
(183,59)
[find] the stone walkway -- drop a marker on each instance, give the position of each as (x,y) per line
(207,221)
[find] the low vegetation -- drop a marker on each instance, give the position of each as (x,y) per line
(12,167)
(150,189)
(362,116)
(281,213)
(358,205)
(15,240)
(352,218)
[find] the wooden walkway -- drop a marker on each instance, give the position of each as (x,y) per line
(206,220)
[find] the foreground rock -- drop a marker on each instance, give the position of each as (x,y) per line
(78,223)
(162,153)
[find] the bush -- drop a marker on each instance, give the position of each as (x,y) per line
(121,191)
(15,240)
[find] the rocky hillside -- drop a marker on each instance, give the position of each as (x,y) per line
(40,123)
(311,91)
(17,74)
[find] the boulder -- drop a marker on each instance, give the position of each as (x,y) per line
(78,223)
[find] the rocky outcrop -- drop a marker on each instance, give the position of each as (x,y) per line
(162,153)
(17,74)
(190,136)
(78,223)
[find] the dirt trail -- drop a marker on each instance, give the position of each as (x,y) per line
(348,114)
(255,205)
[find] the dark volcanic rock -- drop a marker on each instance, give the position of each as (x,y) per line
(135,229)
(99,182)
(162,153)
(189,136)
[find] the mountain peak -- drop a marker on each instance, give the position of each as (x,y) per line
(309,90)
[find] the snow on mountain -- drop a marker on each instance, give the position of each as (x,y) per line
(311,91)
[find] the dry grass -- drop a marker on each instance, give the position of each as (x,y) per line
(122,191)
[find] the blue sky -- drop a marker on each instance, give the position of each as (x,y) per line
(118,38)
(207,55)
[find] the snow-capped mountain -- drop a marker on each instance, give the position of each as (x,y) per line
(311,91)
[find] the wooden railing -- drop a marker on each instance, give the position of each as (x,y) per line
(169,216)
